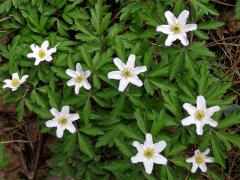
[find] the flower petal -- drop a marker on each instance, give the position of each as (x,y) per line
(54,112)
(48,58)
(78,67)
(171,19)
(87,73)
(203,167)
(123,84)
(190,109)
(166,29)
(60,130)
(71,73)
(136,81)
(199,128)
(51,51)
(15,76)
(209,159)
(139,69)
(31,55)
(190,160)
(211,122)
(71,82)
(194,167)
(45,45)
(148,165)
(120,65)
(189,27)
(131,61)
(51,123)
(201,102)
(23,79)
(210,111)
(37,61)
(136,159)
(206,152)
(34,47)
(138,146)
(65,110)
(71,128)
(183,38)
(148,142)
(77,88)
(188,121)
(160,146)
(86,85)
(182,18)
(170,39)
(73,117)
(115,75)
(160,159)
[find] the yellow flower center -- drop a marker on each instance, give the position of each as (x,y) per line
(149,153)
(176,28)
(199,160)
(62,121)
(200,114)
(15,82)
(41,53)
(127,73)
(79,79)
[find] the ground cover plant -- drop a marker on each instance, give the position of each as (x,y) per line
(118,89)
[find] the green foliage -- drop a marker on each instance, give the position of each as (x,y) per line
(93,32)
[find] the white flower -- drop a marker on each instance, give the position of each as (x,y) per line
(62,120)
(200,115)
(79,78)
(176,28)
(199,160)
(15,82)
(148,153)
(127,72)
(41,53)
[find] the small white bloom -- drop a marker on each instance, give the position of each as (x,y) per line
(127,72)
(15,82)
(79,78)
(41,53)
(199,160)
(62,120)
(148,153)
(200,115)
(176,28)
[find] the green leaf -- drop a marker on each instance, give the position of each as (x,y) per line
(20,110)
(85,146)
(229,121)
(86,113)
(122,147)
(237,8)
(210,25)
(219,155)
(140,121)
(86,57)
(54,99)
(159,122)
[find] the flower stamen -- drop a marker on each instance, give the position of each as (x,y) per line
(127,73)
(15,82)
(200,114)
(176,28)
(199,159)
(79,79)
(62,121)
(41,53)
(149,153)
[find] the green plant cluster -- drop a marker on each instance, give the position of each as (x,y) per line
(93,32)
